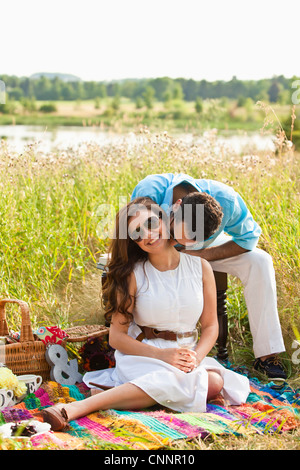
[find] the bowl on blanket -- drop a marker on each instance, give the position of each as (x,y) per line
(23,429)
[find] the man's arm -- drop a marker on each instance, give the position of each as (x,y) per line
(226,250)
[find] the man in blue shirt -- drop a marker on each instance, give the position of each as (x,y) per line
(231,249)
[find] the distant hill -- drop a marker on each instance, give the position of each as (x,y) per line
(65,77)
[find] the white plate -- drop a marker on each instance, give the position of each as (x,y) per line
(5,429)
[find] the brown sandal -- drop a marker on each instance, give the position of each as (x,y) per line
(57,417)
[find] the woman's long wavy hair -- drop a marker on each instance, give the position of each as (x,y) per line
(124,253)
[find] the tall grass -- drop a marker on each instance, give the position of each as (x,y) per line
(51,209)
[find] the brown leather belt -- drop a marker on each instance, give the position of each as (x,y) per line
(152,333)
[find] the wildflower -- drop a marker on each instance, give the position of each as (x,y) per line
(9,381)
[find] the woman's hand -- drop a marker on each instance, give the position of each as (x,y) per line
(183,359)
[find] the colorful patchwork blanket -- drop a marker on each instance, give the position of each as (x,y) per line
(267,410)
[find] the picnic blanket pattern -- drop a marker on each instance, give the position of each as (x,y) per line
(267,410)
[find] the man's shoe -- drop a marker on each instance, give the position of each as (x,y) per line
(272,367)
(57,417)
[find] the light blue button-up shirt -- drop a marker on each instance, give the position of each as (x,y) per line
(237,220)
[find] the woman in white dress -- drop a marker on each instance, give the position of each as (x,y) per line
(153,291)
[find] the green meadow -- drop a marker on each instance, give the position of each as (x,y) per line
(121,114)
(57,212)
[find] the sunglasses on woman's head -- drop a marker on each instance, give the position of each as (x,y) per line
(141,232)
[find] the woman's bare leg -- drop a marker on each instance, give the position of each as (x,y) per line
(123,397)
(215,384)
(126,397)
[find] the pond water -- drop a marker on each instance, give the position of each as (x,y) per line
(62,137)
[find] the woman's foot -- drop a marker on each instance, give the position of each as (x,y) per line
(57,417)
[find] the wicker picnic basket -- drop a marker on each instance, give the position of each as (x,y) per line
(28,355)
(77,334)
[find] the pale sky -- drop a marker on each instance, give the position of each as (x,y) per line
(115,39)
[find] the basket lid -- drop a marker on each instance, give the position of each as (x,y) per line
(84,332)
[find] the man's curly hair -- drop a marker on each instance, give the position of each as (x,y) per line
(212,213)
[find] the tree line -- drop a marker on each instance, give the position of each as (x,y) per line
(276,89)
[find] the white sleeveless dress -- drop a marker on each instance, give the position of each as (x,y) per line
(170,300)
